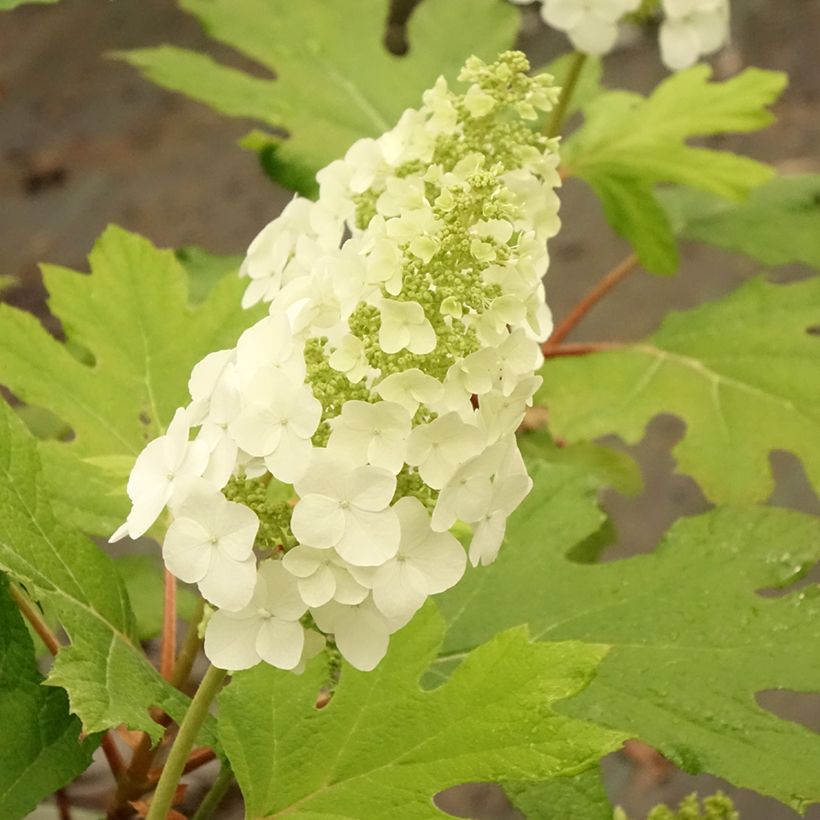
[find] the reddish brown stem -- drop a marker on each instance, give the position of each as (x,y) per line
(198,758)
(592,298)
(113,756)
(33,616)
(580,349)
(169,627)
(63,804)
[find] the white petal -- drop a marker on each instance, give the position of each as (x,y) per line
(230,643)
(319,588)
(186,550)
(290,459)
(318,521)
(370,488)
(362,637)
(370,538)
(303,561)
(399,590)
(280,592)
(238,526)
(229,584)
(280,643)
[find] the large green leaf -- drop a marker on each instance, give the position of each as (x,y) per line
(629,143)
(133,340)
(742,372)
(693,640)
(41,749)
(384,747)
(779,225)
(335,81)
(108,679)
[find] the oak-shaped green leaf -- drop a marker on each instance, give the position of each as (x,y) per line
(41,749)
(629,143)
(742,372)
(692,638)
(335,80)
(133,338)
(384,747)
(778,225)
(108,679)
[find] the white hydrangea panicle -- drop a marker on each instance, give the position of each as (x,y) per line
(375,407)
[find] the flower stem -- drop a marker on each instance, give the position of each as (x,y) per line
(190,726)
(169,627)
(559,113)
(592,298)
(213,798)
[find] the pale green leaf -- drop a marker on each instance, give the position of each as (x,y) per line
(693,640)
(742,372)
(141,336)
(108,679)
(778,225)
(610,467)
(335,81)
(384,747)
(629,143)
(41,749)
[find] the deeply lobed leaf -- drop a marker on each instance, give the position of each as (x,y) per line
(334,52)
(693,640)
(383,747)
(742,372)
(108,678)
(629,143)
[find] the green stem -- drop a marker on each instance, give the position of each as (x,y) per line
(188,730)
(213,798)
(568,89)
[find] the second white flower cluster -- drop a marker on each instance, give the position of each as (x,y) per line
(690,29)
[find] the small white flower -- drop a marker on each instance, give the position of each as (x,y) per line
(384,264)
(466,496)
(518,356)
(404,325)
(269,344)
(510,487)
(349,358)
(347,509)
(372,433)
(498,414)
(438,448)
(410,388)
(210,544)
(164,462)
(322,576)
(277,423)
(427,563)
(362,633)
(267,629)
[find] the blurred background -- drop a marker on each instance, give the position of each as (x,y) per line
(85,141)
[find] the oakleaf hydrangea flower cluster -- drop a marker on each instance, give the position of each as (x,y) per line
(690,28)
(315,477)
